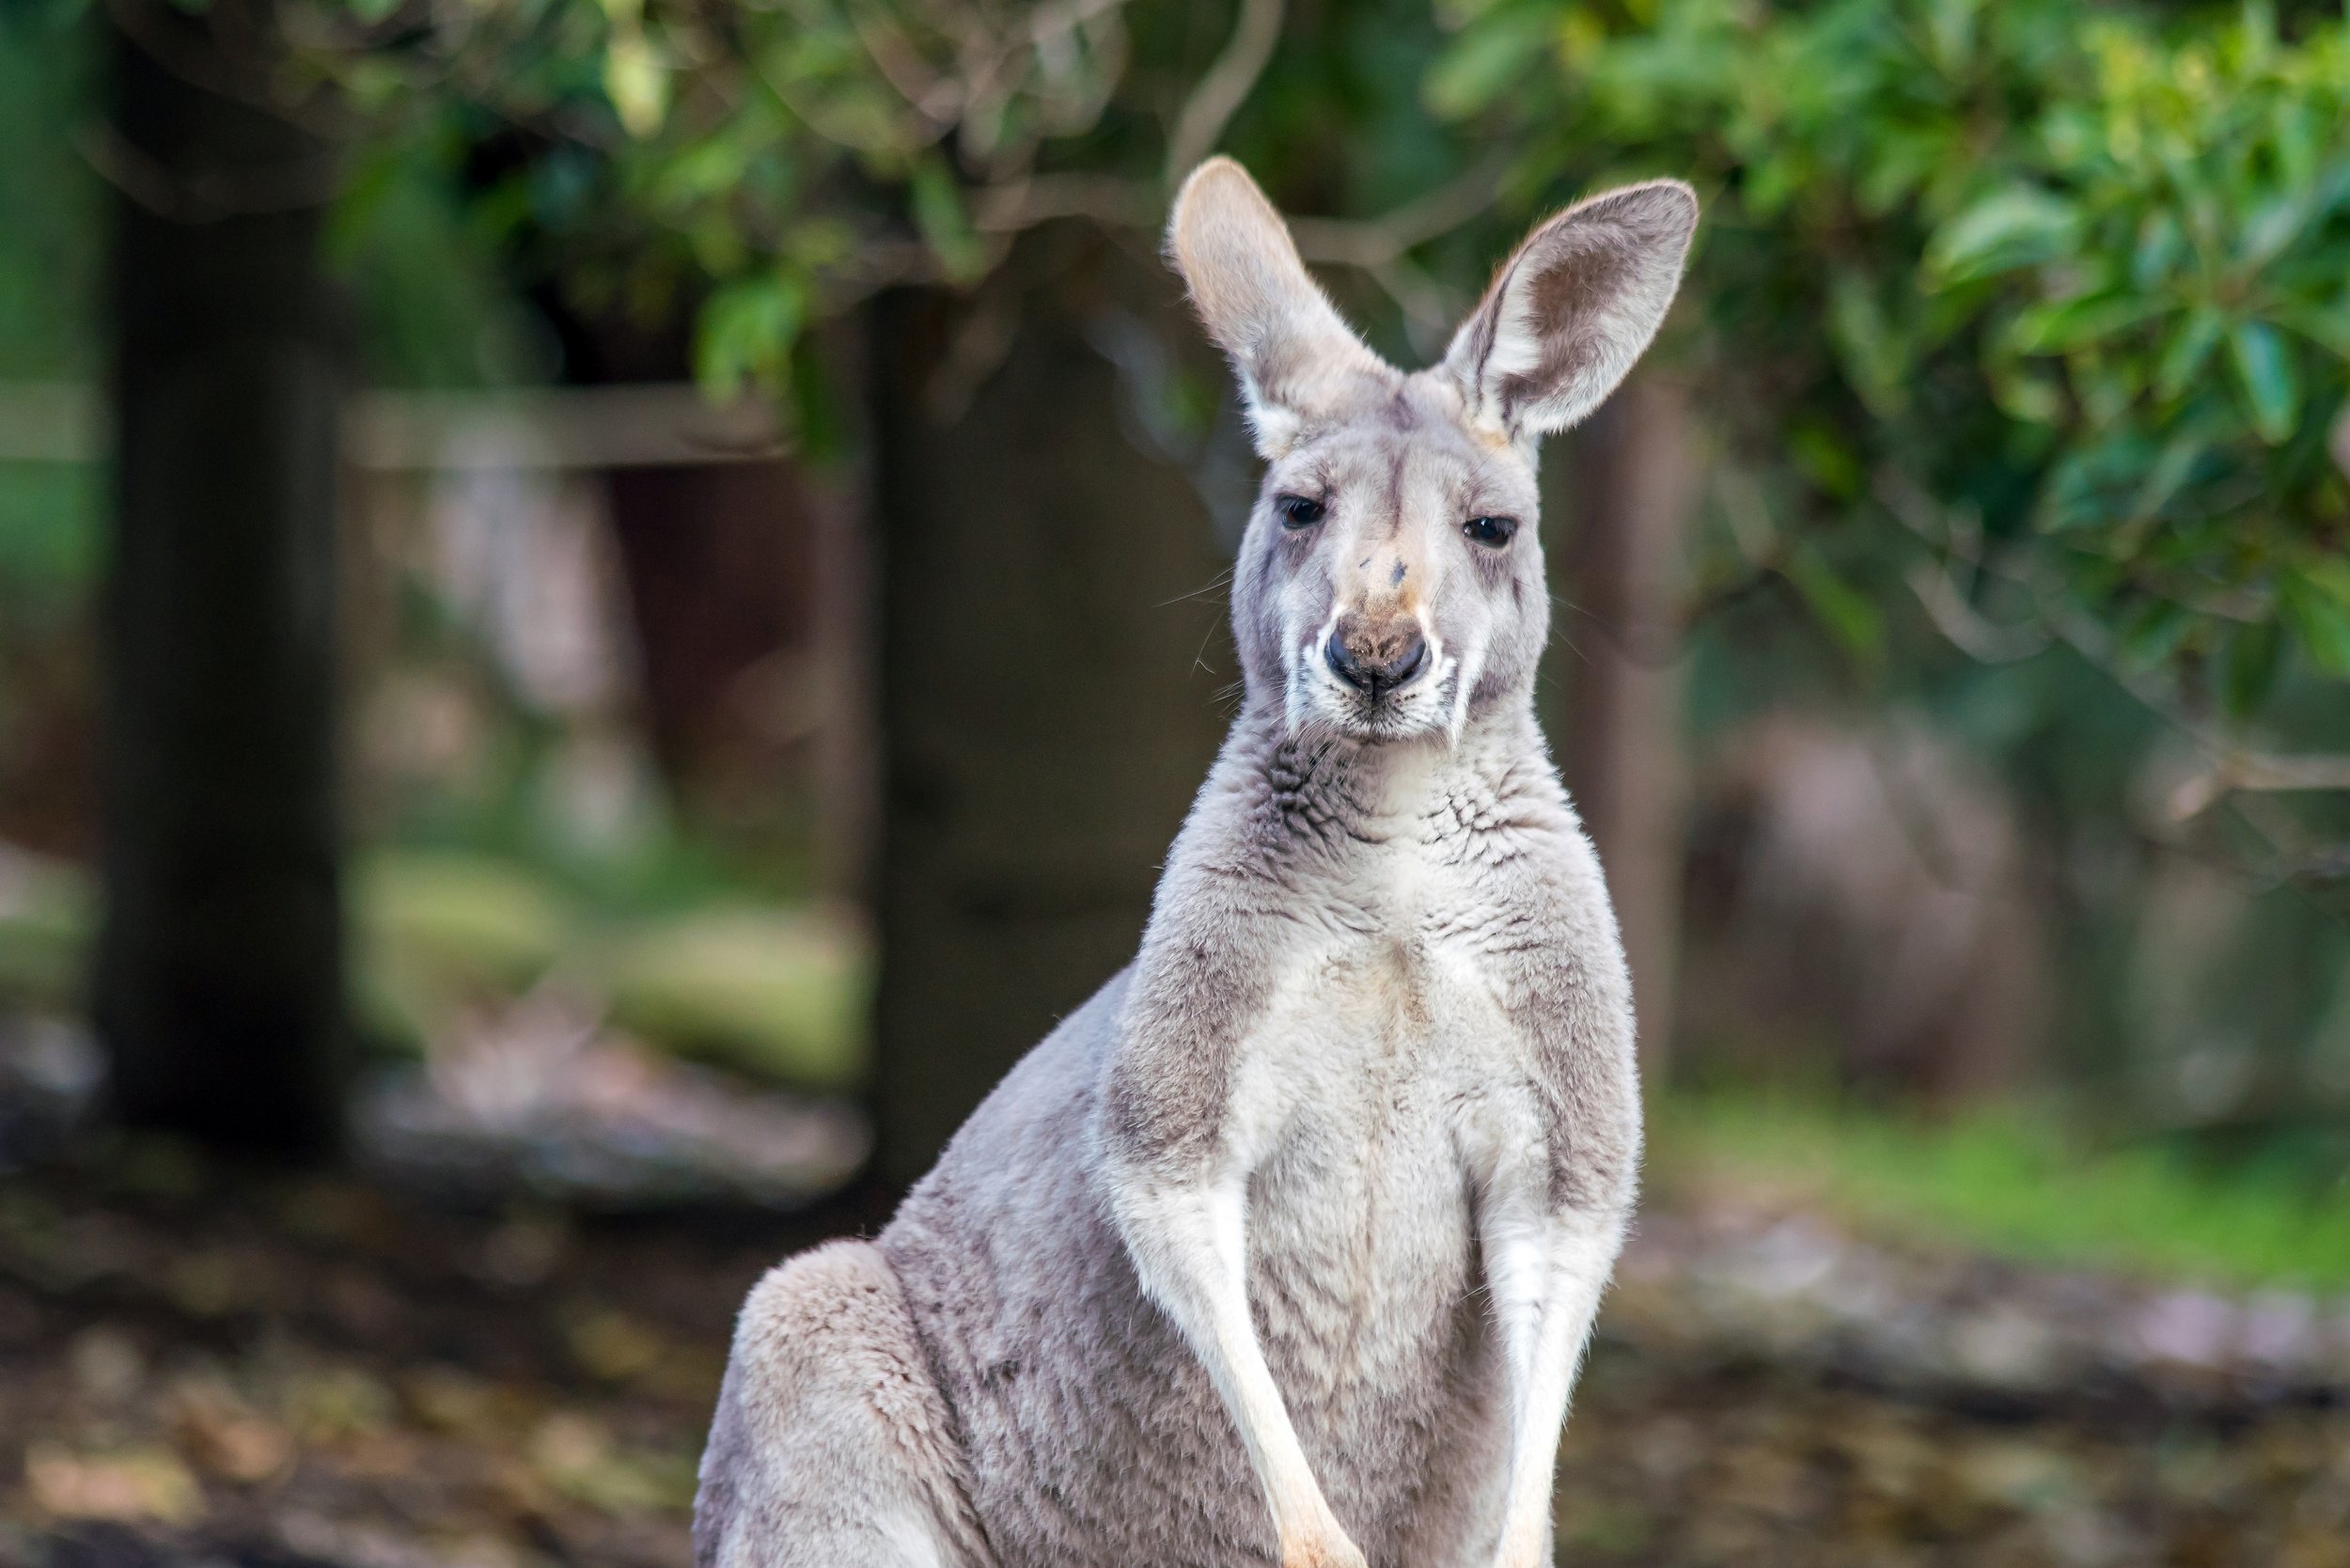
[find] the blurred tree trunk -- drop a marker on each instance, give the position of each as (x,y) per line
(219,980)
(718,564)
(847,741)
(1047,705)
(1630,486)
(747,590)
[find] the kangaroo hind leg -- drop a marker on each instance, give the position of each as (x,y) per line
(830,1447)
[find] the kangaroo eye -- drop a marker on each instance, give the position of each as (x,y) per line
(1490,532)
(1297,511)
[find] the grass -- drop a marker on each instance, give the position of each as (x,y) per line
(2018,1186)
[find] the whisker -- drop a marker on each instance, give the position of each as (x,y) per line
(1200,660)
(1219,580)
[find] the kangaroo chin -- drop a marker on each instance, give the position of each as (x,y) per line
(1284,1247)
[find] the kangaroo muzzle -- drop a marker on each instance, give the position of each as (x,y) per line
(1376,656)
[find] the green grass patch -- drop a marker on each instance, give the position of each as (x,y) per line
(774,991)
(2018,1184)
(49,536)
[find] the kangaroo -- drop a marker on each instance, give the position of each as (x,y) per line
(1285,1246)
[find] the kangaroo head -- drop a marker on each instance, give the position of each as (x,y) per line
(1391,581)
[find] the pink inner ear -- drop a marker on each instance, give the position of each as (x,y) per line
(1567,300)
(1576,308)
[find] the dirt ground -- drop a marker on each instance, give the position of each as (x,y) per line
(203,1366)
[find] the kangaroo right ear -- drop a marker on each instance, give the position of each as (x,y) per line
(1285,342)
(1569,313)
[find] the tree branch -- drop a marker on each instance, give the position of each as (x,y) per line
(1225,88)
(2229,767)
(2236,769)
(1018,204)
(1962,624)
(1371,243)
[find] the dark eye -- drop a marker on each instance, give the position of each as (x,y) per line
(1490,532)
(1297,511)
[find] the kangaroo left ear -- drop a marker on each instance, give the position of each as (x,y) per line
(1569,314)
(1292,353)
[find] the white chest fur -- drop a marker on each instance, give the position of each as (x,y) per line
(1382,1004)
(1384,1064)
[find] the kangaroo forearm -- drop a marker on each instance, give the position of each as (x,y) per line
(1188,1245)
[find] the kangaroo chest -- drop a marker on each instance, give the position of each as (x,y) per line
(1385,1020)
(1385,1055)
(1363,1097)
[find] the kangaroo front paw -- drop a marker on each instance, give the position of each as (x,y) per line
(1322,1545)
(1523,1548)
(1329,1551)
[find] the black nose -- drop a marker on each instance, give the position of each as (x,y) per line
(1375,665)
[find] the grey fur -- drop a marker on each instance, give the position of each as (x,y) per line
(1285,1246)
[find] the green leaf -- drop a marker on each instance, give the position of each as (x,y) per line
(1825,457)
(2328,325)
(1485,61)
(1848,616)
(820,433)
(2169,472)
(2293,131)
(1875,353)
(2271,227)
(2320,622)
(2086,487)
(638,81)
(2329,574)
(2153,634)
(939,212)
(2249,667)
(2263,370)
(746,333)
(2184,356)
(2018,226)
(2160,242)
(2069,324)
(2026,394)
(1902,158)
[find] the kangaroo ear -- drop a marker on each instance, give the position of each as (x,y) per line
(1292,353)
(1567,315)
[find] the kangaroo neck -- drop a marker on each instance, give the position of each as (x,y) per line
(1336,786)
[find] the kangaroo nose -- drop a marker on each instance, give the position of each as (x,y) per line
(1375,665)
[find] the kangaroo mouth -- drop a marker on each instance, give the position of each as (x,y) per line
(1420,709)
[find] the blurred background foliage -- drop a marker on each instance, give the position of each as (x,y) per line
(775,528)
(2057,291)
(2017,339)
